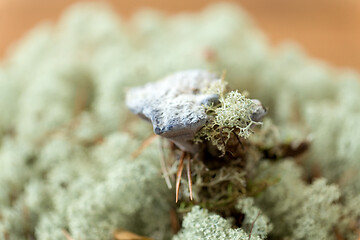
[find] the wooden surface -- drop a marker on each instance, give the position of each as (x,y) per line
(327,29)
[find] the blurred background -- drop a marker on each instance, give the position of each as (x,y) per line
(326,29)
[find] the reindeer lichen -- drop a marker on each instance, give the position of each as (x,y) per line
(67,139)
(235,114)
(199,224)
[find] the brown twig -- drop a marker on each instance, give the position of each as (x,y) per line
(178,175)
(222,138)
(188,168)
(252,225)
(164,167)
(338,235)
(174,220)
(238,139)
(125,235)
(67,235)
(144,145)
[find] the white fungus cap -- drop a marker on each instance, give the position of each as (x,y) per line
(175,105)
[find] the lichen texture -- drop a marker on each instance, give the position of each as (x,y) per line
(76,163)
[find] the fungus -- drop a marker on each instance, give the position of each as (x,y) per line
(177,107)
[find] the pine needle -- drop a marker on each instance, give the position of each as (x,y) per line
(143,146)
(125,235)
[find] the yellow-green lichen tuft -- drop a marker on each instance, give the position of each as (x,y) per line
(232,116)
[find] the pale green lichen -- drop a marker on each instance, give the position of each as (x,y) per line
(235,112)
(233,115)
(199,224)
(61,152)
(298,210)
(255,222)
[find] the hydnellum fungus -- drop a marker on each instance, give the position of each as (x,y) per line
(178,108)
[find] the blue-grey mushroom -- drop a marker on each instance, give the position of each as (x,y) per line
(175,105)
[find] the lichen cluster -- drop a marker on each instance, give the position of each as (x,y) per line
(67,139)
(233,115)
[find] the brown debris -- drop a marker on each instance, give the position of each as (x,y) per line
(143,146)
(125,235)
(174,220)
(178,175)
(67,235)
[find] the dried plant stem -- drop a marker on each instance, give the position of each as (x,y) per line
(144,145)
(164,167)
(252,225)
(67,235)
(125,235)
(178,175)
(188,168)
